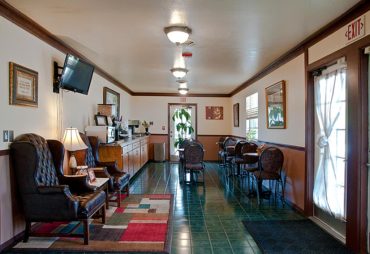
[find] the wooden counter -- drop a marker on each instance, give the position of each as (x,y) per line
(131,154)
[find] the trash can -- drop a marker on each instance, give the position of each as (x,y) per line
(159,152)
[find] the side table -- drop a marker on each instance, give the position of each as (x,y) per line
(102,184)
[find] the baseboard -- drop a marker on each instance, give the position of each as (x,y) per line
(328,229)
(295,207)
(14,240)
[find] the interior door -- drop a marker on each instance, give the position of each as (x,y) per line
(173,132)
(331,149)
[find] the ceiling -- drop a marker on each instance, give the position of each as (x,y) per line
(233,39)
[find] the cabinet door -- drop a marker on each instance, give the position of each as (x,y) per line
(137,159)
(144,154)
(126,163)
(131,160)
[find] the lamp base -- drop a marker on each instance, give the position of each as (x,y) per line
(72,161)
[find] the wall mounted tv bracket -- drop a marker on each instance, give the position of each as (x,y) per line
(56,77)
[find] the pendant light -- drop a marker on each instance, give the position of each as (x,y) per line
(177,34)
(179,72)
(183,91)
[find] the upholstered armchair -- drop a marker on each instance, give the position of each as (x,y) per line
(118,180)
(46,194)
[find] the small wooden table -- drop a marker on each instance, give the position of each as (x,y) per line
(102,184)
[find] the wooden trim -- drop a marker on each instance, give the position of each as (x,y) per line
(179,95)
(168,123)
(294,207)
(4,152)
(293,147)
(364,84)
(21,20)
(158,134)
(212,135)
(357,10)
(15,239)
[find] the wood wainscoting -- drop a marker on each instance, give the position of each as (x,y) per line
(208,141)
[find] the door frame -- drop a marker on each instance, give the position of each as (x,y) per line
(169,121)
(357,136)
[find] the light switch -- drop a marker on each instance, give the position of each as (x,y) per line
(5,136)
(163,128)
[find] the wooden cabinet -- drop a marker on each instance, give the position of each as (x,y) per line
(130,156)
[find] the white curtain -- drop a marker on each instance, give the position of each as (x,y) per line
(330,147)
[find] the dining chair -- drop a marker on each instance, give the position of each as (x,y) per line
(237,159)
(229,150)
(270,166)
(249,160)
(193,159)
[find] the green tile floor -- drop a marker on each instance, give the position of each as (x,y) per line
(208,218)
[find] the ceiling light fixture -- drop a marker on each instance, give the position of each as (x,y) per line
(177,34)
(179,72)
(182,83)
(183,91)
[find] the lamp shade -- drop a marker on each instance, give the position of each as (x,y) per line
(72,140)
(177,34)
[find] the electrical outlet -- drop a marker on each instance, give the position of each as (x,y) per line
(5,136)
(11,135)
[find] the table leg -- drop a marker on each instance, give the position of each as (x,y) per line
(106,196)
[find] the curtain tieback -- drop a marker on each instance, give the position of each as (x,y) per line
(323,141)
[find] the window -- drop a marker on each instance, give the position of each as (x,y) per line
(251,123)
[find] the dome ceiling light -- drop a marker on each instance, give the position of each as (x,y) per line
(179,72)
(177,34)
(182,83)
(183,91)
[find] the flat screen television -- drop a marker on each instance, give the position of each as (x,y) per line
(76,75)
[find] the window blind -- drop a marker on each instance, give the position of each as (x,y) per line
(252,106)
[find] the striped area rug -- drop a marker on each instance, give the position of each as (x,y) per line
(141,224)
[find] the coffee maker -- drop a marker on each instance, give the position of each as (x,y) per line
(132,124)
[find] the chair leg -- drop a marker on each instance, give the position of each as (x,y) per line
(86,231)
(27,231)
(258,192)
(103,214)
(118,198)
(128,190)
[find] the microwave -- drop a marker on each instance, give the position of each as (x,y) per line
(105,134)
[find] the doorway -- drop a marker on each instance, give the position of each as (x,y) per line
(330,149)
(180,117)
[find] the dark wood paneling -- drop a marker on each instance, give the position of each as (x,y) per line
(4,152)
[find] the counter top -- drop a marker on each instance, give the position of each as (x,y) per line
(127,141)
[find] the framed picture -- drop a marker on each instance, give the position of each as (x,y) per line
(112,97)
(276,106)
(91,175)
(23,86)
(214,113)
(236,114)
(101,120)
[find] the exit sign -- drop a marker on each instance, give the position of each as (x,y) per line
(355,30)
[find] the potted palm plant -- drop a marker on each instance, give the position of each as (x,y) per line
(184,128)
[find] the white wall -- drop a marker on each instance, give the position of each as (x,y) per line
(155,108)
(25,49)
(293,73)
(334,42)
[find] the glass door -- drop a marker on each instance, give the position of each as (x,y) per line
(329,191)
(182,122)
